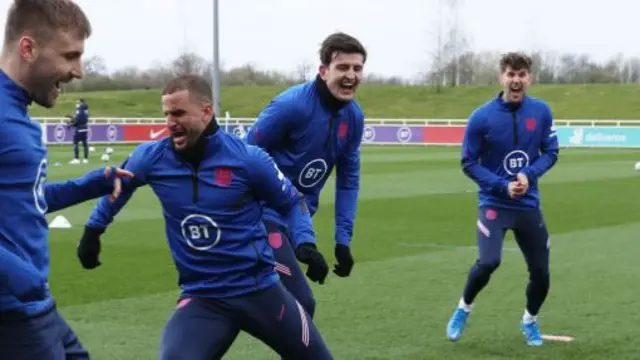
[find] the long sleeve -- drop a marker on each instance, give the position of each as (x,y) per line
(105,210)
(549,149)
(63,194)
(471,148)
(271,186)
(348,186)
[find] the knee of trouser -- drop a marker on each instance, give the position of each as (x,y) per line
(308,302)
(540,274)
(489,266)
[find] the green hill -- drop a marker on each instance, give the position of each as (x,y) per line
(380,101)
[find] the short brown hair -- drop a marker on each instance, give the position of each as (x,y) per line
(41,18)
(516,61)
(196,85)
(340,43)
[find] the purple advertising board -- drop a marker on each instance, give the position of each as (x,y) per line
(395,134)
(62,134)
(115,133)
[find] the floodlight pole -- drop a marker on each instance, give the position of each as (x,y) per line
(216,61)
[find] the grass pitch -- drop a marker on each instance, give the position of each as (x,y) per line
(414,242)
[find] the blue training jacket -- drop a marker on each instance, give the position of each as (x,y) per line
(502,140)
(307,131)
(212,209)
(82,117)
(25,198)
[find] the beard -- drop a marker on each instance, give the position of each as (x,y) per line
(43,87)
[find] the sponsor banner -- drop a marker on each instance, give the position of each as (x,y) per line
(108,133)
(442,134)
(392,134)
(572,136)
(152,132)
(568,136)
(145,132)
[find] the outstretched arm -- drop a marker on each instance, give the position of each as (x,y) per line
(106,209)
(99,182)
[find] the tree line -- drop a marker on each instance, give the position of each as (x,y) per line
(468,68)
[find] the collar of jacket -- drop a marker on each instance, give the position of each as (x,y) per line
(15,91)
(505,105)
(326,97)
(195,153)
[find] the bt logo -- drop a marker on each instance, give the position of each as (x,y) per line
(515,161)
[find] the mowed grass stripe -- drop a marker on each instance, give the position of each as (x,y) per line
(398,308)
(437,203)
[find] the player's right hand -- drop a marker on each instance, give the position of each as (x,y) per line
(89,248)
(317,267)
(516,189)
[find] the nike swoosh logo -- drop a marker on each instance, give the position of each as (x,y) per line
(155,134)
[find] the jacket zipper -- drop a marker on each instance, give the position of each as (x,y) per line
(328,144)
(194,182)
(515,127)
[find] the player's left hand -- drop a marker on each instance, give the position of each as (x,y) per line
(116,174)
(345,261)
(317,267)
(89,248)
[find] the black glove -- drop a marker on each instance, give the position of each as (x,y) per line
(317,267)
(345,261)
(89,247)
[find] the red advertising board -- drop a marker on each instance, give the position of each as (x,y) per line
(443,135)
(431,134)
(145,132)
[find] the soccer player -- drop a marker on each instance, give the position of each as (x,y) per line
(509,144)
(212,186)
(81,125)
(43,45)
(308,129)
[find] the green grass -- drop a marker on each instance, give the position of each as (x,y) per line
(413,245)
(379,101)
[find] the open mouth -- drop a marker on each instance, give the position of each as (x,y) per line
(178,134)
(515,89)
(348,86)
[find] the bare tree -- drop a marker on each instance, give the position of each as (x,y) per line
(303,70)
(451,45)
(189,63)
(435,75)
(94,66)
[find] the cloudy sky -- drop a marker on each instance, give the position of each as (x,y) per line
(400,35)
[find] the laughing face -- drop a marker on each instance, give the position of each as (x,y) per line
(343,75)
(515,83)
(187,117)
(51,64)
